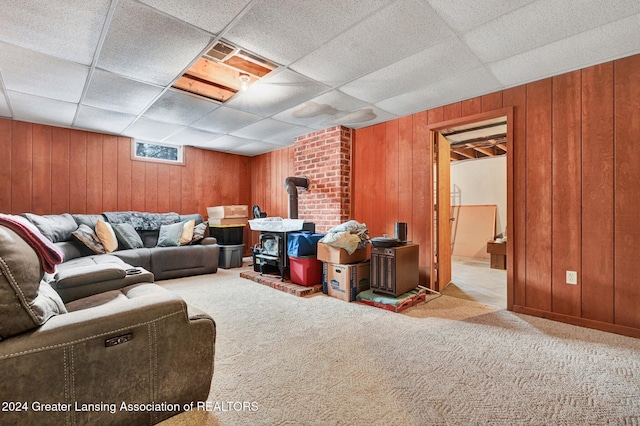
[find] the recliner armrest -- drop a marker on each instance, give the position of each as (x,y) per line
(84,275)
(208,241)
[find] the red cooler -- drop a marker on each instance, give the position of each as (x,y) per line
(306,270)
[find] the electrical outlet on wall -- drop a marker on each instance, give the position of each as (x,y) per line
(572,277)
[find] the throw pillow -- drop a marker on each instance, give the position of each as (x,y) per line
(86,236)
(199,231)
(106,236)
(170,235)
(187,232)
(127,235)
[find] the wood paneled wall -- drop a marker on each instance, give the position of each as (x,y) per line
(575,190)
(49,170)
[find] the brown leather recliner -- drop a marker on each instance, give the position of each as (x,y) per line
(135,355)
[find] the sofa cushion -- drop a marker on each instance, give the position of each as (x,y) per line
(170,235)
(56,227)
(199,232)
(88,219)
(106,236)
(127,236)
(86,236)
(26,301)
(187,232)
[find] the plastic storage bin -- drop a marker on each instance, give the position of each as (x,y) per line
(227,234)
(231,256)
(305,270)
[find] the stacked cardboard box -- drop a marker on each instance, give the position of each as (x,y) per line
(344,275)
(226,224)
(228,215)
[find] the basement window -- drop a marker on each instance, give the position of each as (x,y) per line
(222,72)
(156,152)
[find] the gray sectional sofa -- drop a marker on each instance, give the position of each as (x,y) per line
(85,272)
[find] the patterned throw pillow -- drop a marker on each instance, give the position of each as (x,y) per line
(86,236)
(199,231)
(127,236)
(106,236)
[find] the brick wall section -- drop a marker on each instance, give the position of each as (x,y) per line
(325,158)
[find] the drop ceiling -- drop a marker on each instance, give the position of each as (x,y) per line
(110,65)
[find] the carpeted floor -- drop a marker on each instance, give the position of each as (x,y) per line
(287,360)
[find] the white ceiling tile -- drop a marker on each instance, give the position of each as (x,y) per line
(366,116)
(225,120)
(110,91)
(473,83)
(267,126)
(435,63)
(397,31)
(97,119)
(598,45)
(315,111)
(288,137)
(42,110)
(228,142)
(190,136)
(200,12)
(462,15)
(65,29)
(180,108)
(543,22)
(275,93)
(255,148)
(270,30)
(146,45)
(151,130)
(41,75)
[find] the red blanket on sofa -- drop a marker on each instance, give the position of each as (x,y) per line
(49,255)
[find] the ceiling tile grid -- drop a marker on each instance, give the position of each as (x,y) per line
(109,65)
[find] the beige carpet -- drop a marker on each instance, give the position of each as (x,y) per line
(287,360)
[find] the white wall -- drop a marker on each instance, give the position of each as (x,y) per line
(480,182)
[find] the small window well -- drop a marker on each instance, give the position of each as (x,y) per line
(151,151)
(223,71)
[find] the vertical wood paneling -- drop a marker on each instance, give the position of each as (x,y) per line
(151,187)
(492,101)
(471,106)
(110,173)
(60,178)
(124,174)
(405,173)
(627,191)
(78,172)
(422,190)
(538,216)
(516,97)
(21,167)
(597,193)
(566,186)
(164,187)
(175,189)
(378,226)
(138,190)
(452,111)
(94,173)
(41,178)
(367,180)
(5,165)
(392,169)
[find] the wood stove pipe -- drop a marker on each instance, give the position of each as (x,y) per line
(292,184)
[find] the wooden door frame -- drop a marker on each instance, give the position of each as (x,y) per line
(435,128)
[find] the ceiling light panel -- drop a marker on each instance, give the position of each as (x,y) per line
(547,21)
(433,64)
(151,130)
(269,30)
(276,92)
(112,92)
(225,120)
(598,45)
(149,46)
(36,109)
(201,13)
(398,31)
(69,30)
(37,74)
(180,108)
(97,119)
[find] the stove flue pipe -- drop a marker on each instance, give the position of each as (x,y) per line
(292,184)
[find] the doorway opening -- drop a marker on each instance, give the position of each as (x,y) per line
(470,221)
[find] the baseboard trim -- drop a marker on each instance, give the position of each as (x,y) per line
(582,322)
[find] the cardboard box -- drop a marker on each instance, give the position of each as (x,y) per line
(228,211)
(339,256)
(345,281)
(232,221)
